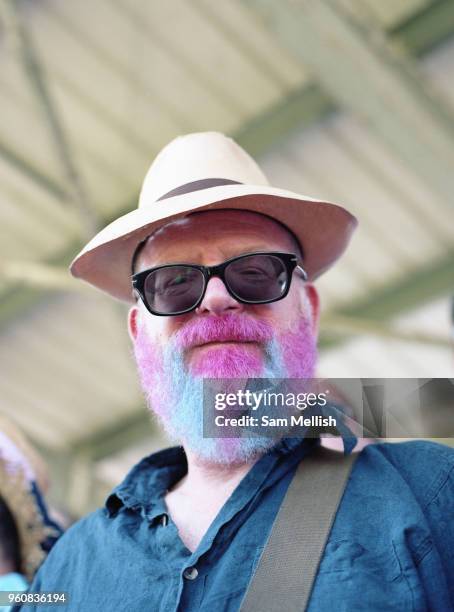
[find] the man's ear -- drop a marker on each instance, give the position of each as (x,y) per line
(133,316)
(314,302)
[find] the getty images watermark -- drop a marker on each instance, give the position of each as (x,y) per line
(247,400)
(376,408)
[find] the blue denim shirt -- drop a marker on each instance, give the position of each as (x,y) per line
(391,546)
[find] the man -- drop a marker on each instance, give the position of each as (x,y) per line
(222,266)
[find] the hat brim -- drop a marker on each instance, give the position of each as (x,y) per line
(323,229)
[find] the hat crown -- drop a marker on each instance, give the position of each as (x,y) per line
(194,157)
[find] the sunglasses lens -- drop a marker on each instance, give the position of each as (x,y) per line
(173,289)
(257,278)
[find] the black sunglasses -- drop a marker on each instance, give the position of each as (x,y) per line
(253,278)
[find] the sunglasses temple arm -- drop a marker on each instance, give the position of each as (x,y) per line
(303,272)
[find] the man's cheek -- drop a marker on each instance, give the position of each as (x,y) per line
(150,364)
(310,309)
(159,330)
(298,347)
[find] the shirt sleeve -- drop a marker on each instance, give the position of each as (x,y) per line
(428,469)
(440,515)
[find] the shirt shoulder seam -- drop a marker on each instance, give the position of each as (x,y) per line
(442,484)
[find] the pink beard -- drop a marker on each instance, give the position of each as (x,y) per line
(173,391)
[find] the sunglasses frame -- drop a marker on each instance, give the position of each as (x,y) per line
(290,261)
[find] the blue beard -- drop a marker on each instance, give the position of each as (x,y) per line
(184,420)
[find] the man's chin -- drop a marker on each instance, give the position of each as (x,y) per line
(226,360)
(228,452)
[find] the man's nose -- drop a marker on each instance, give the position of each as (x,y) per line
(217,299)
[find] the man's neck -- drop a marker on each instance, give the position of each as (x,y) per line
(212,478)
(195,500)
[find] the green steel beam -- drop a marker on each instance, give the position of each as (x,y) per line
(18,299)
(424,285)
(426,29)
(45,182)
(343,326)
(299,109)
(38,81)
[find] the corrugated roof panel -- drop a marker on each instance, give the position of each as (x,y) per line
(39,430)
(24,238)
(367,355)
(36,222)
(121,103)
(91,339)
(370,357)
(22,128)
(404,187)
(157,79)
(241,26)
(57,351)
(243,82)
(27,390)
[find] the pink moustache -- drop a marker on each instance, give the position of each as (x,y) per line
(232,360)
(227,328)
(298,347)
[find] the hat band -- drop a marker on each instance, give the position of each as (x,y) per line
(197,186)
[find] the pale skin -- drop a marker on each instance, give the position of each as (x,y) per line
(210,238)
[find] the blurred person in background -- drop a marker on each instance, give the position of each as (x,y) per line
(26,531)
(11,578)
(218,267)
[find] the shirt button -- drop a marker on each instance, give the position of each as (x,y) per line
(190,573)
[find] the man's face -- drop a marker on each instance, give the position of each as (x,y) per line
(222,338)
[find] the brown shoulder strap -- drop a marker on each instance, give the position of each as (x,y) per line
(289,562)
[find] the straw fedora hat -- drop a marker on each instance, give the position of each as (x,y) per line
(206,171)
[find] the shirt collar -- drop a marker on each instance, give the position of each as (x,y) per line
(148,481)
(145,486)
